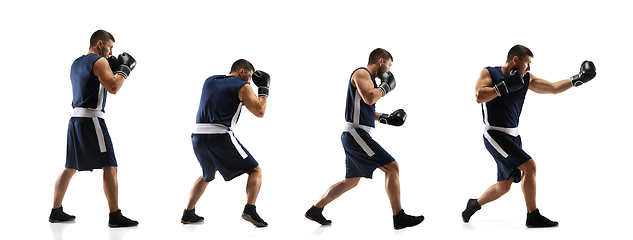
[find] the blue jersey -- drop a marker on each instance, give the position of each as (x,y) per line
(87,90)
(504,111)
(356,110)
(220,102)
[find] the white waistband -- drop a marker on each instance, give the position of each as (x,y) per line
(87,112)
(350,126)
(510,131)
(210,128)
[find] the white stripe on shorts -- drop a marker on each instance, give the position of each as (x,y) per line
(102,146)
(94,114)
(495,145)
(361,142)
(237,146)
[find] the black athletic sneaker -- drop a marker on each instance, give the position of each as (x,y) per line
(402,220)
(316,214)
(536,220)
(250,214)
(471,207)
(189,216)
(58,215)
(118,220)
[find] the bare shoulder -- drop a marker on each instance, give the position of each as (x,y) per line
(359,75)
(245,91)
(484,73)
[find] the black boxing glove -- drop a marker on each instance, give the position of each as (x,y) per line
(126,64)
(114,64)
(388,83)
(511,82)
(587,72)
(396,118)
(262,80)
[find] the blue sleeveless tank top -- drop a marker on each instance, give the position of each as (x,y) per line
(220,102)
(504,111)
(356,110)
(87,90)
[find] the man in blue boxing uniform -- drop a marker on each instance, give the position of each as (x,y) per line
(88,142)
(214,144)
(363,154)
(501,92)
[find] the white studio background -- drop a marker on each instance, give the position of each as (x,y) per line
(579,138)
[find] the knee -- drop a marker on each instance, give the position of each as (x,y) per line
(256,173)
(110,171)
(504,187)
(528,167)
(69,171)
(351,182)
(392,168)
(257,170)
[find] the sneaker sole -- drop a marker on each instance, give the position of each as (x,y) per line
(325,223)
(398,228)
(117,226)
(464,219)
(185,222)
(250,219)
(57,221)
(532,226)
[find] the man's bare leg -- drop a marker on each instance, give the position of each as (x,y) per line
(196,192)
(61,185)
(253,184)
(392,185)
(528,184)
(336,191)
(111,187)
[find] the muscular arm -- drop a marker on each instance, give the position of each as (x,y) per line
(543,86)
(362,81)
(484,92)
(256,105)
(110,82)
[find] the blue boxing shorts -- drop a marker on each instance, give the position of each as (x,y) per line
(362,154)
(88,144)
(507,151)
(224,153)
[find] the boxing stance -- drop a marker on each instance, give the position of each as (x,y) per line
(363,154)
(214,144)
(501,92)
(88,142)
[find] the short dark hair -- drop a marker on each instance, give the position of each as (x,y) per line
(100,35)
(519,51)
(242,64)
(379,53)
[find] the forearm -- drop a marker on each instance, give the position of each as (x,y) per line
(561,86)
(485,94)
(545,87)
(114,85)
(372,96)
(261,107)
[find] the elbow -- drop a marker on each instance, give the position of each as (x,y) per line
(371,102)
(480,99)
(372,99)
(260,112)
(112,90)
